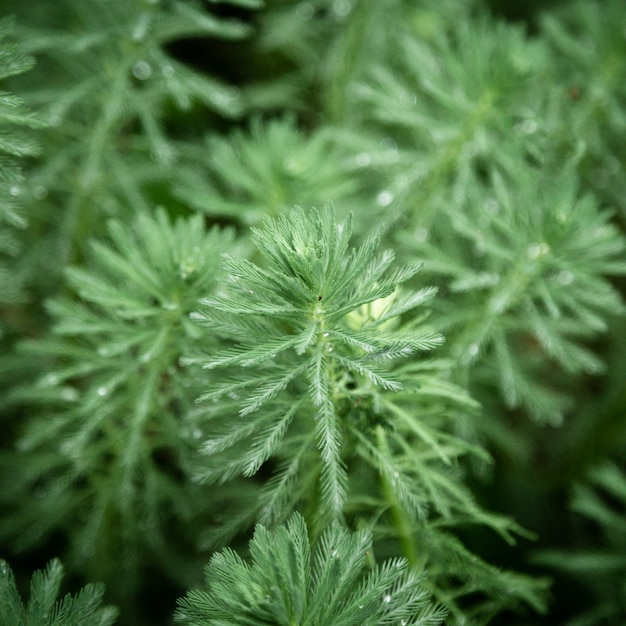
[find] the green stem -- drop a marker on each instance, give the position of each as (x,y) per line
(401,521)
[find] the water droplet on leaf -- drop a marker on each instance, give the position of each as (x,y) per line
(305,10)
(40,192)
(421,234)
(69,394)
(363,159)
(142,70)
(341,8)
(384,198)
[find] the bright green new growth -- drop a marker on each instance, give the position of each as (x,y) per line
(44,609)
(299,321)
(286,583)
(326,389)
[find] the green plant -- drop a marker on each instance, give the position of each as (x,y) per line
(106,83)
(14,144)
(43,608)
(109,465)
(289,583)
(324,374)
(433,364)
(599,568)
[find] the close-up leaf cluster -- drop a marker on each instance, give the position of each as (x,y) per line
(312,312)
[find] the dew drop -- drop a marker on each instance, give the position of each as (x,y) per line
(40,192)
(478,249)
(363,159)
(396,474)
(565,277)
(326,334)
(421,234)
(361,606)
(55,120)
(141,28)
(473,349)
(341,8)
(146,357)
(163,155)
(334,554)
(384,198)
(15,191)
(222,98)
(403,622)
(167,71)
(388,144)
(49,380)
(102,391)
(536,250)
(387,599)
(69,394)
(329,349)
(556,420)
(305,10)
(196,433)
(142,70)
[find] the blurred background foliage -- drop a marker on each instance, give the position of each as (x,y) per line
(487,136)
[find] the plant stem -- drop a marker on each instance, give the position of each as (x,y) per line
(401,522)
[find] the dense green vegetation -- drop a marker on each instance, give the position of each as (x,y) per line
(312,312)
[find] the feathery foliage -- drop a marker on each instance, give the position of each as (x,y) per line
(150,231)
(527,271)
(287,582)
(589,39)
(290,320)
(266,170)
(14,144)
(107,467)
(44,608)
(600,568)
(333,399)
(107,83)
